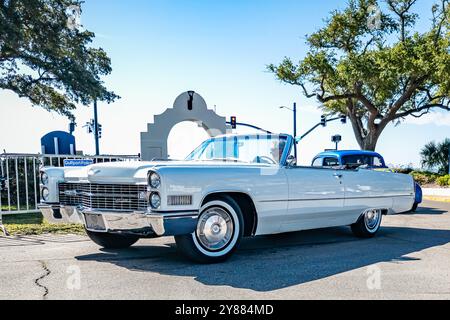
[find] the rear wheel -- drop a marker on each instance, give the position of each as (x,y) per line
(415,206)
(368,224)
(112,241)
(220,228)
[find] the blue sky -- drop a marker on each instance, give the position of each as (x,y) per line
(219,49)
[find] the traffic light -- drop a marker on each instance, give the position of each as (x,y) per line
(100,131)
(323,120)
(89,127)
(72,126)
(344,119)
(233,122)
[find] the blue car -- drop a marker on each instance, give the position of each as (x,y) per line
(355,159)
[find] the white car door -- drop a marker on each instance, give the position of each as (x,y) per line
(316,198)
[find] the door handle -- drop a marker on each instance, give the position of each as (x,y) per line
(338,175)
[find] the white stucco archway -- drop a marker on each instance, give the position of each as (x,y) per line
(189,106)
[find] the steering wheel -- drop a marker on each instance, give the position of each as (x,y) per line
(264,159)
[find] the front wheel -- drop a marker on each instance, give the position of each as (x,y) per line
(368,224)
(112,241)
(220,228)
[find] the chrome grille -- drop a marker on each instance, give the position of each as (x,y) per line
(120,197)
(179,200)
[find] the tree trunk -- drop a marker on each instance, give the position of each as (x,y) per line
(367,139)
(370,142)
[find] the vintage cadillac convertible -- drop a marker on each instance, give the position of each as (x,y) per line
(230,187)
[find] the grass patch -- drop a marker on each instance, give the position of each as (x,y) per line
(34,224)
(7,208)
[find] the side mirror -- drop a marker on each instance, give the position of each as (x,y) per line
(291,161)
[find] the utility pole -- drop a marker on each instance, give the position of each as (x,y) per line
(295,129)
(294,111)
(295,119)
(97,146)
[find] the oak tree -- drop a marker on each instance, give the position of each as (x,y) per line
(369,63)
(47,58)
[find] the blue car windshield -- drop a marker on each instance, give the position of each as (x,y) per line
(362,159)
(267,149)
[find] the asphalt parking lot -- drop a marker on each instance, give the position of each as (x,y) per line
(409,259)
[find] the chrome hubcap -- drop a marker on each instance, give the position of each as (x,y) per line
(215,229)
(372,219)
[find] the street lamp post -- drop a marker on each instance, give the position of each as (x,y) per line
(294,111)
(97,145)
(295,119)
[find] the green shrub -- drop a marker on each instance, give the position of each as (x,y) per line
(424,177)
(404,170)
(443,181)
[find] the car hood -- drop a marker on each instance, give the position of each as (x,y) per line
(136,171)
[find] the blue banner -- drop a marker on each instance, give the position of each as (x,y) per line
(78,162)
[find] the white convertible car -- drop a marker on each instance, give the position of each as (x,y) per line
(230,187)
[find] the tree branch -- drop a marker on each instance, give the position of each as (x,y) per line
(336,97)
(423,108)
(366,102)
(305,91)
(406,96)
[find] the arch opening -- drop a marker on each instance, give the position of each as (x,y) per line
(183,138)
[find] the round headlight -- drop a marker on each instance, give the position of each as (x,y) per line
(45,194)
(155,200)
(154,180)
(44,178)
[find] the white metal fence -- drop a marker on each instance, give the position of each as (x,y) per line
(21,178)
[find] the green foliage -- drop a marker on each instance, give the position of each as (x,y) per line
(403,170)
(34,224)
(374,67)
(444,181)
(424,177)
(436,156)
(44,59)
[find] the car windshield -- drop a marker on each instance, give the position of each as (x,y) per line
(266,149)
(361,160)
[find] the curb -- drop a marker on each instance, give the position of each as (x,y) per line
(438,199)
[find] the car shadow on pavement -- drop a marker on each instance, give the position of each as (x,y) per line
(426,211)
(270,263)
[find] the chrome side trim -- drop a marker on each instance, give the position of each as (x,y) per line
(342,198)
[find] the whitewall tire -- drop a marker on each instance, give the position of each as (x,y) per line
(220,228)
(368,224)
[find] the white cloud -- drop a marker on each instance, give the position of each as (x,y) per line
(436,118)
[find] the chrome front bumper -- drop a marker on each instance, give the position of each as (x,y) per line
(140,223)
